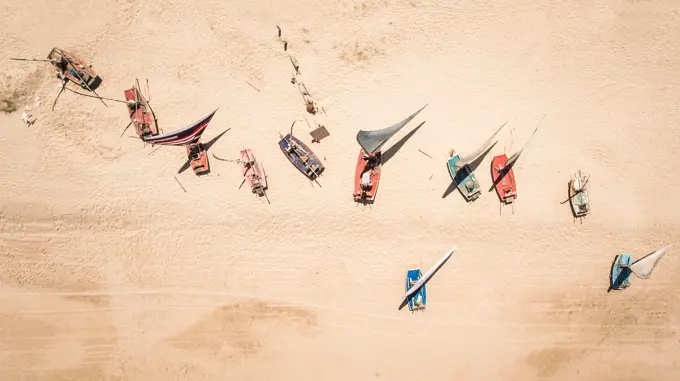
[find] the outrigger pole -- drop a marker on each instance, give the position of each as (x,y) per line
(32,59)
(63,86)
(92,96)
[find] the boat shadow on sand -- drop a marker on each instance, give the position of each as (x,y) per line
(473,166)
(390,152)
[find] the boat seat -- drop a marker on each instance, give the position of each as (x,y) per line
(366,179)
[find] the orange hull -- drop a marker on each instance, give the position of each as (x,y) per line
(369,173)
(198,158)
(506,187)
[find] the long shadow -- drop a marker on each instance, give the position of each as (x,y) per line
(387,155)
(611,270)
(184,166)
(473,166)
(213,140)
(405,302)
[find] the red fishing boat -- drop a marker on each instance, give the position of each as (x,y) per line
(368,175)
(253,172)
(74,69)
(504,179)
(198,158)
(140,112)
(369,163)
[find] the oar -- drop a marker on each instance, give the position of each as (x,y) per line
(83,81)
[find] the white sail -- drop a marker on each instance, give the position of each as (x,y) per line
(473,156)
(370,141)
(643,267)
(427,275)
(511,161)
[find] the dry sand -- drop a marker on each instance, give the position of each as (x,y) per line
(109,271)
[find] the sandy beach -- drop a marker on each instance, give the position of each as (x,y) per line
(110,271)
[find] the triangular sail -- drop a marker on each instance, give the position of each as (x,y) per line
(371,141)
(643,267)
(429,274)
(473,156)
(511,161)
(184,135)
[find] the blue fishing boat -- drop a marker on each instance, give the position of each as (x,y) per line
(642,268)
(418,299)
(301,156)
(462,171)
(620,276)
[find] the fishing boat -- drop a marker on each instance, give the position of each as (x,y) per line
(504,177)
(253,172)
(140,113)
(71,69)
(418,300)
(642,268)
(74,69)
(301,156)
(462,172)
(578,195)
(198,158)
(189,137)
(411,289)
(369,162)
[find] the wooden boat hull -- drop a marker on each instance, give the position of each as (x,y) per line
(253,172)
(418,300)
(371,173)
(464,178)
(90,79)
(580,203)
(198,158)
(302,158)
(141,115)
(620,276)
(506,187)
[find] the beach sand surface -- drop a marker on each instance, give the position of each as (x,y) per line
(110,271)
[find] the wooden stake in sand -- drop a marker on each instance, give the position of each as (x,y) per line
(419,150)
(251,85)
(180,184)
(279,28)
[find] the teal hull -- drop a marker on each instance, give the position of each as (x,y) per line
(462,177)
(620,276)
